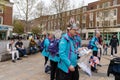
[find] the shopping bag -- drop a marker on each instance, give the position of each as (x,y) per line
(83,62)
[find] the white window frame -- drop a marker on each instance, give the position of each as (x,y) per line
(91,16)
(116,12)
(1,20)
(1,9)
(115,2)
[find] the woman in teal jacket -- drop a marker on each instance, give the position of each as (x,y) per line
(45,52)
(54,58)
(94,42)
(67,66)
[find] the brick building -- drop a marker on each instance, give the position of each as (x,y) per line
(5,19)
(102,14)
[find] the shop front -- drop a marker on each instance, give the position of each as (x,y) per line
(107,34)
(5,32)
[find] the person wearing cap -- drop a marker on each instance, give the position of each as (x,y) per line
(67,66)
(94,44)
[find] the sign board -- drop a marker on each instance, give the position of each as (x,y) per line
(3,28)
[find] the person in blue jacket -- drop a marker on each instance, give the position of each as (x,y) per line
(54,58)
(67,65)
(94,43)
(45,52)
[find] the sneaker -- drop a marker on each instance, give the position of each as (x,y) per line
(13,61)
(96,71)
(25,55)
(19,59)
(99,65)
(111,56)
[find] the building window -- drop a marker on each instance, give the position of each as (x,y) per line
(91,24)
(114,2)
(83,25)
(84,17)
(115,22)
(98,6)
(72,12)
(68,13)
(84,9)
(97,23)
(1,9)
(115,12)
(106,13)
(1,20)
(97,14)
(106,4)
(91,16)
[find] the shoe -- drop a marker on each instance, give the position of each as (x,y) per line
(25,55)
(13,61)
(95,71)
(19,59)
(111,56)
(99,65)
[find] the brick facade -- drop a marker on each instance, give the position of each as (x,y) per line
(99,14)
(7,16)
(6,20)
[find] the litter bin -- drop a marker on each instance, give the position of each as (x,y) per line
(114,68)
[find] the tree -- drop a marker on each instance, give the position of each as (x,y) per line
(27,10)
(40,9)
(18,27)
(58,6)
(82,17)
(36,30)
(104,18)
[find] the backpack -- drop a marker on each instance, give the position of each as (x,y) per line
(114,66)
(89,45)
(53,47)
(42,45)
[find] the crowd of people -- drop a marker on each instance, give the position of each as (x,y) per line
(62,52)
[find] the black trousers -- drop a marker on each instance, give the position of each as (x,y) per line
(53,69)
(115,49)
(117,77)
(46,59)
(67,76)
(100,54)
(95,53)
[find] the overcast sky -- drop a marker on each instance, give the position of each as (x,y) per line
(76,3)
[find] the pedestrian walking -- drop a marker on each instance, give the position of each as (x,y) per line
(94,42)
(114,42)
(105,48)
(53,56)
(67,66)
(45,51)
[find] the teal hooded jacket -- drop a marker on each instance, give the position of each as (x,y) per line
(45,50)
(67,53)
(93,41)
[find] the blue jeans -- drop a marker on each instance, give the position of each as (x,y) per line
(22,51)
(33,50)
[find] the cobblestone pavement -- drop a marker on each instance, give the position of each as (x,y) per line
(32,68)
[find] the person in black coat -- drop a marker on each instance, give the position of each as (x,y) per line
(114,42)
